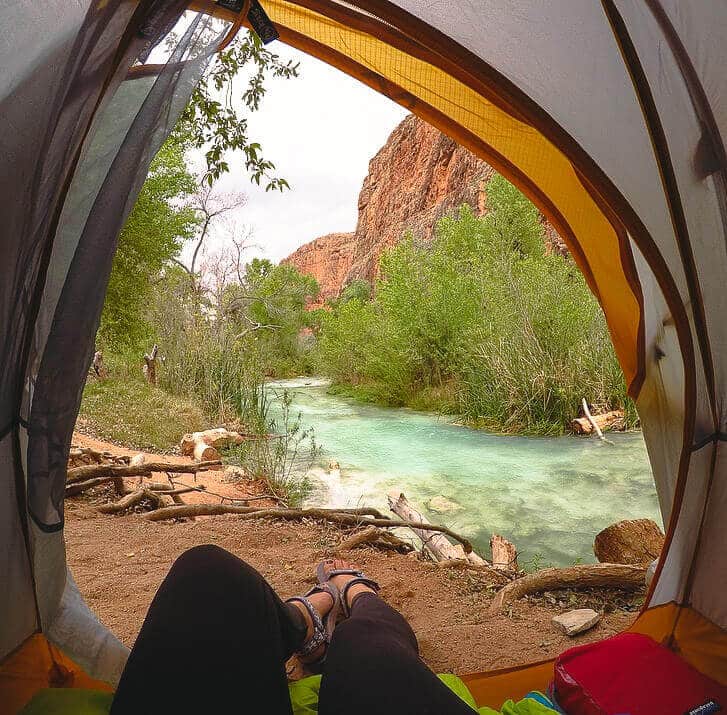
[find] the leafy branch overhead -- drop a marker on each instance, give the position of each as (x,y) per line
(213,116)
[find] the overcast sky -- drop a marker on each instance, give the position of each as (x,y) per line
(320,130)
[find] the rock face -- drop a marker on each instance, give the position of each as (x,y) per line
(636,542)
(328,259)
(416,178)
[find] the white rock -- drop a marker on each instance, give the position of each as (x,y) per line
(577,621)
(441,505)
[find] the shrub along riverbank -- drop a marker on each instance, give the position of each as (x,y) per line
(484,322)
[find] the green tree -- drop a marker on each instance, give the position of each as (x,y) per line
(154,233)
(269,307)
(214,118)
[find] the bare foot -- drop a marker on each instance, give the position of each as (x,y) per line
(340,581)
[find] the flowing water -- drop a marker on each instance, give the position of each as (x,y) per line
(550,496)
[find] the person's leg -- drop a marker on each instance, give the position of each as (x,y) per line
(215,640)
(373,666)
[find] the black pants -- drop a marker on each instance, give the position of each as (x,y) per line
(216,638)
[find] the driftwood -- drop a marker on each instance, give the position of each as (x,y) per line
(79,479)
(172,491)
(136,461)
(98,365)
(597,423)
(218,438)
(80,456)
(205,445)
(587,576)
(379,538)
(499,574)
(150,366)
(344,517)
(437,544)
(77,474)
(133,499)
(504,554)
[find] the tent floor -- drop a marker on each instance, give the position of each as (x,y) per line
(118,563)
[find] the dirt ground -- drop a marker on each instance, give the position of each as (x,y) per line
(119,561)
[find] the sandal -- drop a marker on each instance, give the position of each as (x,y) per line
(341,601)
(322,627)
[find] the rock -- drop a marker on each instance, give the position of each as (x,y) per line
(333,466)
(416,178)
(575,622)
(441,505)
(328,259)
(636,542)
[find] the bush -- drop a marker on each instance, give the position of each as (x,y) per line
(483,322)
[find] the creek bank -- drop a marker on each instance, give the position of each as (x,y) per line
(549,496)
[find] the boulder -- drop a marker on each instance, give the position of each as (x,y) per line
(575,622)
(441,505)
(637,542)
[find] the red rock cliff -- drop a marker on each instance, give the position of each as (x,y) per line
(328,259)
(417,177)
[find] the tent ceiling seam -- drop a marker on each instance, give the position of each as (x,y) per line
(671,190)
(670,184)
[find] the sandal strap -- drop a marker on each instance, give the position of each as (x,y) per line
(344,572)
(319,630)
(360,580)
(326,576)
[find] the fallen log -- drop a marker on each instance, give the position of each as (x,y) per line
(150,366)
(204,445)
(589,423)
(379,538)
(635,541)
(172,491)
(80,483)
(586,576)
(437,544)
(81,456)
(91,471)
(504,554)
(98,365)
(501,575)
(349,517)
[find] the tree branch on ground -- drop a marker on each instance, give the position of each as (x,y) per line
(351,517)
(585,576)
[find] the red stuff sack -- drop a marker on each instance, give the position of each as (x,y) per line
(630,674)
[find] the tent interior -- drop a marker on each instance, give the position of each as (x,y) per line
(610,116)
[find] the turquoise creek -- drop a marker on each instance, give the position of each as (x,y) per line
(549,496)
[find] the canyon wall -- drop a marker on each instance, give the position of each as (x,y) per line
(328,259)
(416,178)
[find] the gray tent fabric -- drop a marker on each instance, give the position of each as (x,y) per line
(101,133)
(44,115)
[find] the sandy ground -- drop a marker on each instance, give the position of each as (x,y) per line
(119,561)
